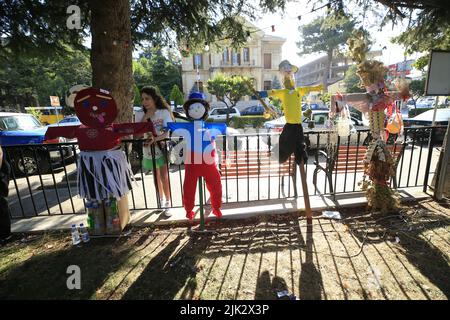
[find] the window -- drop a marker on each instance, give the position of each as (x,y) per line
(268,85)
(198,60)
(267,61)
(236,58)
(198,86)
(246,53)
(21,122)
(225,56)
(320,118)
(223,111)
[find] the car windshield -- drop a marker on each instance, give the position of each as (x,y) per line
(19,122)
(223,111)
(69,120)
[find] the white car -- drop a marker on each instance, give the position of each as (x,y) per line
(425,102)
(221,113)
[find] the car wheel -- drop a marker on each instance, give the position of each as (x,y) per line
(28,163)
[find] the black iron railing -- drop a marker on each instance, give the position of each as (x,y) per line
(44,179)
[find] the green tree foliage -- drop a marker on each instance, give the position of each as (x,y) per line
(428,20)
(176,95)
(229,89)
(276,84)
(326,34)
(137,96)
(23,76)
(352,81)
(421,63)
(157,69)
(35,112)
(417,87)
(39,28)
(276,102)
(325,98)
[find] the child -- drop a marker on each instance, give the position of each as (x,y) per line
(158,112)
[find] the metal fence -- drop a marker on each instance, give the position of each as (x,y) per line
(249,173)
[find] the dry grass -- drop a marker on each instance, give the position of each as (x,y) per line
(356,258)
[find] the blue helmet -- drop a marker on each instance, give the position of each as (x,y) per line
(197,95)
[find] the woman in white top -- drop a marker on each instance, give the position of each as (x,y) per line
(158,112)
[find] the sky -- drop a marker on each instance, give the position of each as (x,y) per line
(287,27)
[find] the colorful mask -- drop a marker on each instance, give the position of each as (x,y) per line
(95,107)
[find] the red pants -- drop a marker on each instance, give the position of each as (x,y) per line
(212,179)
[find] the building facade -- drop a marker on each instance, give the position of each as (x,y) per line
(258,59)
(312,73)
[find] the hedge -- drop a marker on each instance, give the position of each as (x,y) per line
(248,121)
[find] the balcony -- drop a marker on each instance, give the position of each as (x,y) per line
(239,64)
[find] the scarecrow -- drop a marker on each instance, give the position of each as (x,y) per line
(292,139)
(379,165)
(200,153)
(103,169)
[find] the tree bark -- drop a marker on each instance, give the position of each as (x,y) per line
(111,53)
(326,73)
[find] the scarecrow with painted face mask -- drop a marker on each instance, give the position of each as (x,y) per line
(103,170)
(291,138)
(199,153)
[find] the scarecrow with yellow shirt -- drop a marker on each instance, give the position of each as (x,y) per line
(292,139)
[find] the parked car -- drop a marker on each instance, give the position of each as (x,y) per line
(319,118)
(176,145)
(253,111)
(424,102)
(179,109)
(25,129)
(425,119)
(221,113)
(314,106)
(67,121)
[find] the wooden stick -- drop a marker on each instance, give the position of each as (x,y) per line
(305,193)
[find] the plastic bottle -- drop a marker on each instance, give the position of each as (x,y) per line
(90,216)
(75,235)
(113,221)
(108,221)
(84,233)
(99,218)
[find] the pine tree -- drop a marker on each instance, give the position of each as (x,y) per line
(176,95)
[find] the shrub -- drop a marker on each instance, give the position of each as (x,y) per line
(244,121)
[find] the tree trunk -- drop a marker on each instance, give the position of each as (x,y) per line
(326,73)
(111,53)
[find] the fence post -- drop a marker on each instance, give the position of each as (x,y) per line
(428,165)
(443,166)
(202,216)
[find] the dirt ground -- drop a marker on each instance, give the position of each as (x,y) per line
(363,256)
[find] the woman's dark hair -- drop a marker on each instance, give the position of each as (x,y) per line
(160,102)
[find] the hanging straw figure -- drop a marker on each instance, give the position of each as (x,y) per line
(378,162)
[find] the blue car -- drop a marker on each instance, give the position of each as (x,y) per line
(25,129)
(253,111)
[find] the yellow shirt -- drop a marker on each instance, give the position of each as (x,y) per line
(291,101)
